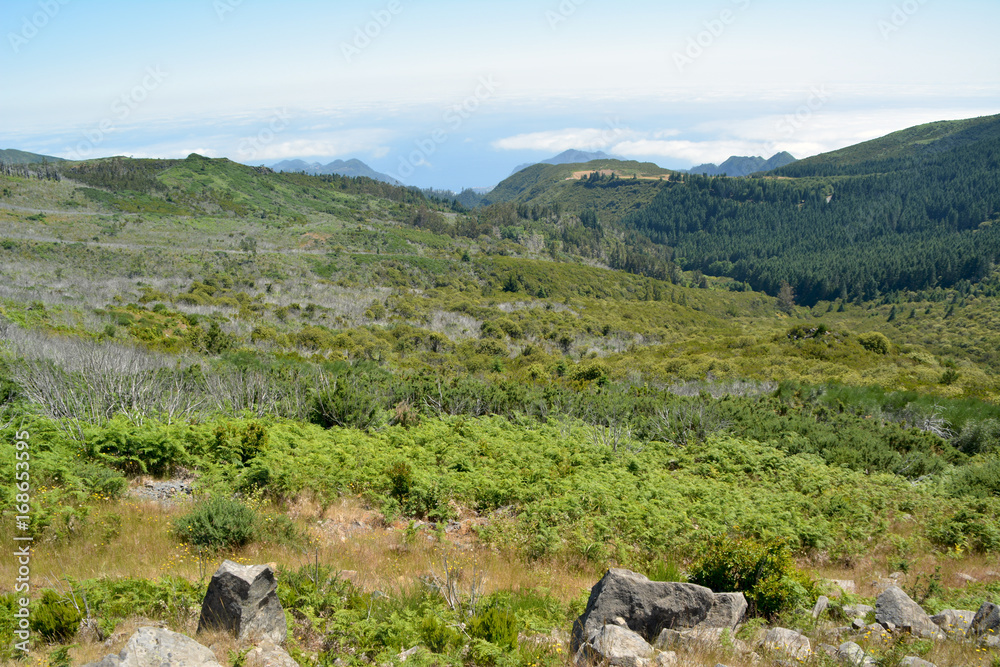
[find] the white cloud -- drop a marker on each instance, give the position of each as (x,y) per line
(563,140)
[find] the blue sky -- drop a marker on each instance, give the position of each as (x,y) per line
(455,94)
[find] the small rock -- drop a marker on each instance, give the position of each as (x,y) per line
(409,653)
(666,659)
(967,578)
(859,624)
(954,621)
(857,610)
(615,646)
(844,586)
(788,642)
(821,604)
(851,654)
(913,661)
(269,654)
(667,639)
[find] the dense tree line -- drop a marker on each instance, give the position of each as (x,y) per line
(934,221)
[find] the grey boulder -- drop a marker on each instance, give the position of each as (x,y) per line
(789,642)
(243,600)
(913,661)
(616,646)
(853,655)
(954,621)
(269,654)
(155,647)
(649,607)
(895,609)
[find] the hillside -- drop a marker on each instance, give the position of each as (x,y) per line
(352,167)
(392,398)
(571,156)
(910,148)
(11,156)
(737,166)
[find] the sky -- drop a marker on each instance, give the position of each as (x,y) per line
(449,94)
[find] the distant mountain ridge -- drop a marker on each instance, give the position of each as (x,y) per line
(572,156)
(737,166)
(13,156)
(352,168)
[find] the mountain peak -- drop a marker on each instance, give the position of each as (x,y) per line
(737,166)
(571,156)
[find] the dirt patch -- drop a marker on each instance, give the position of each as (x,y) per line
(580,175)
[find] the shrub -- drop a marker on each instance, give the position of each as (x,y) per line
(764,572)
(979,437)
(55,618)
(437,635)
(152,451)
(495,625)
(875,342)
(350,400)
(218,523)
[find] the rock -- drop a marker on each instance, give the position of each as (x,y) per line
(967,578)
(667,639)
(912,661)
(844,586)
(895,607)
(243,600)
(857,610)
(616,646)
(789,642)
(821,604)
(408,653)
(986,622)
(954,620)
(728,610)
(651,606)
(269,654)
(666,659)
(877,632)
(155,647)
(858,624)
(853,655)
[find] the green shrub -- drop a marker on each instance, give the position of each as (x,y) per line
(875,342)
(495,625)
(980,436)
(437,635)
(764,572)
(351,400)
(55,618)
(218,523)
(972,527)
(153,450)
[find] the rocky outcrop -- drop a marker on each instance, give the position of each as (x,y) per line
(895,610)
(243,600)
(648,607)
(155,647)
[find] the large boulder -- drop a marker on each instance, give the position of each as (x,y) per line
(648,607)
(913,661)
(616,646)
(155,647)
(986,623)
(243,600)
(894,608)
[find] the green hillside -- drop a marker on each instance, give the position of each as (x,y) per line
(375,389)
(900,150)
(11,156)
